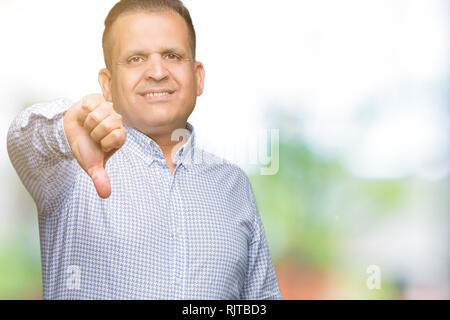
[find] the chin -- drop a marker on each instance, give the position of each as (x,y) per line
(157,122)
(159,118)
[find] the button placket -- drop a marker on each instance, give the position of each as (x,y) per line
(179,234)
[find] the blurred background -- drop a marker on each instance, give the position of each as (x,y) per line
(359,91)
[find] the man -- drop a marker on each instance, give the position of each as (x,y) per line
(126,209)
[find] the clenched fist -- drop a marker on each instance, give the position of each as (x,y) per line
(95,132)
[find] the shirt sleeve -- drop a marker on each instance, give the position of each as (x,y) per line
(40,153)
(261,281)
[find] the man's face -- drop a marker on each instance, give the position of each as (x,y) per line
(150,53)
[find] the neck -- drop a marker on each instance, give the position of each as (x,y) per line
(167,145)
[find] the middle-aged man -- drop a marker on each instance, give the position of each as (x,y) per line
(127,210)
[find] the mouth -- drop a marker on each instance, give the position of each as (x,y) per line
(157,95)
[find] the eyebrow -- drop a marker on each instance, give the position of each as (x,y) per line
(145,53)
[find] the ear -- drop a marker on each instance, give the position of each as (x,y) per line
(104,78)
(200,77)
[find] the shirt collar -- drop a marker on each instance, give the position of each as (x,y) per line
(150,151)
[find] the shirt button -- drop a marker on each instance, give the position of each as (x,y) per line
(178,281)
(179,231)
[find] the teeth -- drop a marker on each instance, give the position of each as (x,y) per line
(157,94)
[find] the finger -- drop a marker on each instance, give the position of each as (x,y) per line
(114,140)
(97,116)
(111,123)
(101,181)
(88,104)
(85,110)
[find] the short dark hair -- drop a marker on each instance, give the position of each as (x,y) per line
(130,6)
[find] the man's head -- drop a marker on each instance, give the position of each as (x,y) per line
(149,47)
(130,6)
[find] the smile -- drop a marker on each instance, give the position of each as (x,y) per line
(157,97)
(157,94)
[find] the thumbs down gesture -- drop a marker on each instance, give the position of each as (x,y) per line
(95,132)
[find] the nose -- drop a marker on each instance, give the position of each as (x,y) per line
(156,68)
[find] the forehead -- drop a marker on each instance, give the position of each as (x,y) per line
(148,31)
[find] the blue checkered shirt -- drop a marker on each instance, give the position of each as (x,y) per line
(196,234)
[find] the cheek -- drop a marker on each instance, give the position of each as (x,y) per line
(183,76)
(125,83)
(189,84)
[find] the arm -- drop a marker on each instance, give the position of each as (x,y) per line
(46,141)
(40,153)
(261,281)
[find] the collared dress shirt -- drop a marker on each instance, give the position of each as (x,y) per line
(193,234)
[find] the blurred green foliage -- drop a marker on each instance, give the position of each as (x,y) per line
(20,269)
(303,201)
(293,205)
(312,206)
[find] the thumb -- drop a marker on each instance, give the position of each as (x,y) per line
(101,181)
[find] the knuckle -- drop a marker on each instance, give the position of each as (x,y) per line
(122,139)
(106,149)
(94,137)
(85,107)
(116,135)
(105,146)
(90,102)
(104,125)
(93,117)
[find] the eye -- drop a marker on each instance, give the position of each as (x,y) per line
(135,60)
(173,56)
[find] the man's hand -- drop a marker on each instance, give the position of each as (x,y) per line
(95,132)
